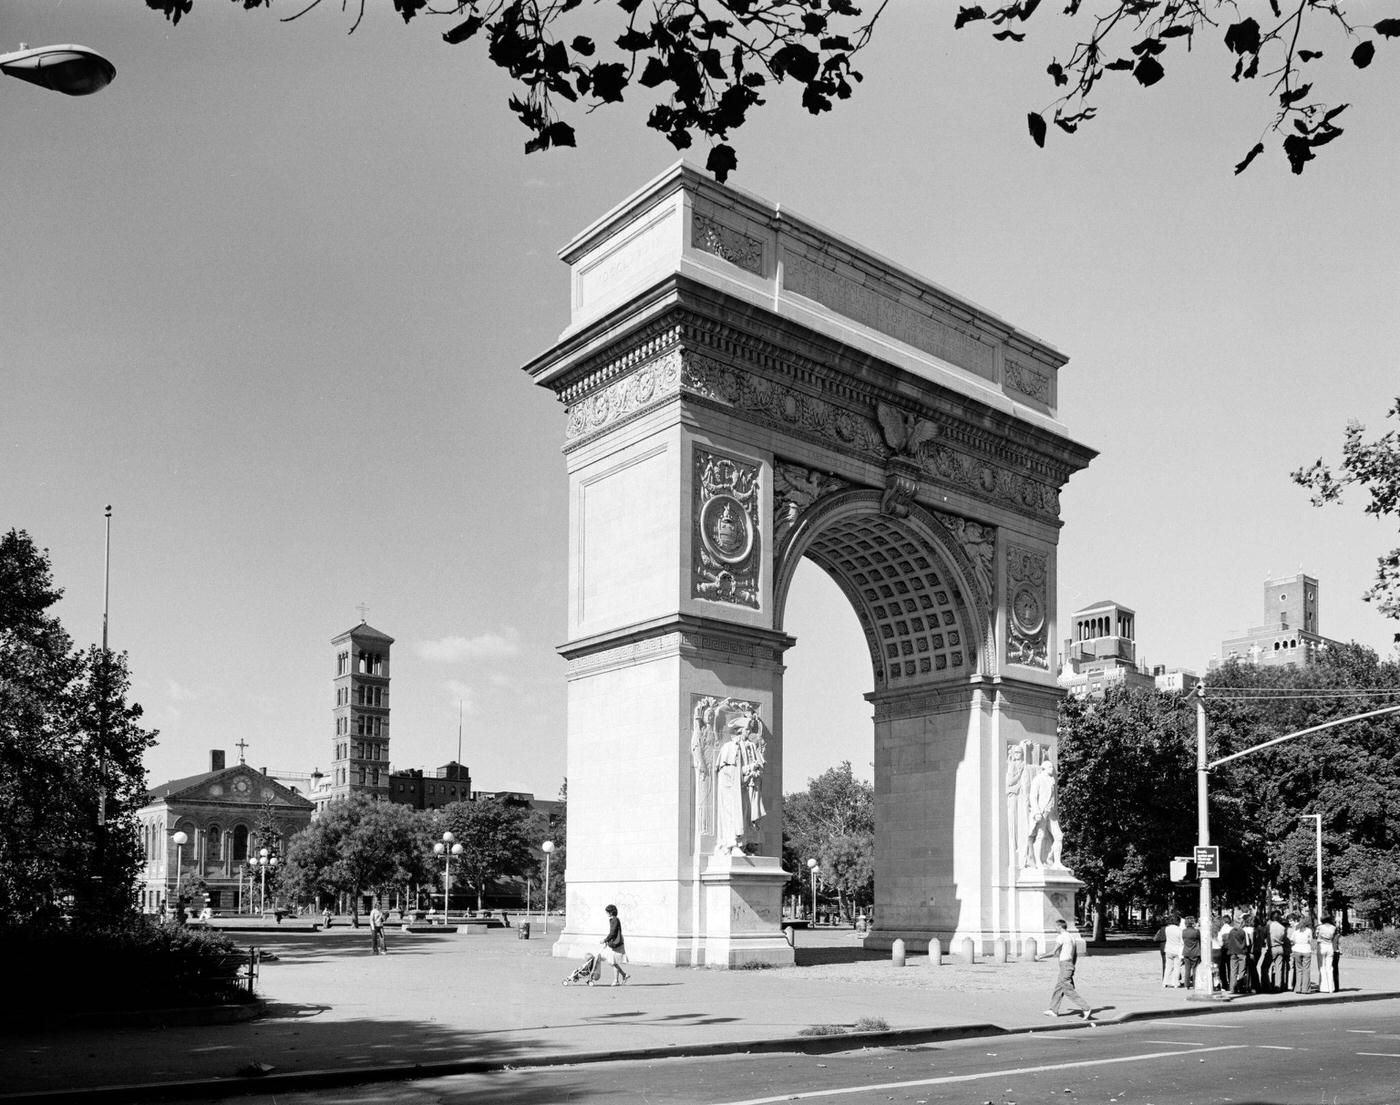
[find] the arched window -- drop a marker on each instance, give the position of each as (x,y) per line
(213,844)
(240,843)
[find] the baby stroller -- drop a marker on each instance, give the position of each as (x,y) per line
(585,971)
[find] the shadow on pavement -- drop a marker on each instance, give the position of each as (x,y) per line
(814,957)
(291,1040)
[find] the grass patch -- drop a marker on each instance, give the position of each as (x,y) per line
(865,1024)
(753,965)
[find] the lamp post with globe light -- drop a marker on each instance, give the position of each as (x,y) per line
(548,849)
(265,860)
(72,70)
(814,867)
(180,839)
(447,849)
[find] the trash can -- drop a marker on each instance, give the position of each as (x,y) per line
(522,930)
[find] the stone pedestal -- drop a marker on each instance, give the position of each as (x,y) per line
(1044,895)
(743,911)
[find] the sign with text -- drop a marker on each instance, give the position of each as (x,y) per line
(1207,861)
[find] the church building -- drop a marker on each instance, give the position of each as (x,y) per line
(228,815)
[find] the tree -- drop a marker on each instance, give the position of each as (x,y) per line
(833,822)
(1375,467)
(1126,781)
(495,837)
(358,846)
(709,62)
(555,827)
(68,737)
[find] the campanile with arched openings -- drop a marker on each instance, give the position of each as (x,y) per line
(744,390)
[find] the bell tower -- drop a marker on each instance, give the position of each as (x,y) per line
(360,756)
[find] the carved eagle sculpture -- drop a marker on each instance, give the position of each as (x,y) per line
(905,433)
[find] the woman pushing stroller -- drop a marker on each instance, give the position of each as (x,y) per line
(614,951)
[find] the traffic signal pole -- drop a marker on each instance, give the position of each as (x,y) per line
(1201,985)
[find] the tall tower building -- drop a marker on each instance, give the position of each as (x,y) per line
(360,764)
(1289,634)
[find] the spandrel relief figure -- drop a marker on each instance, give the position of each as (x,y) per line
(1045,837)
(1018,785)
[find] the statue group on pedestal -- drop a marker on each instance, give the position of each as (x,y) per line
(726,748)
(1032,815)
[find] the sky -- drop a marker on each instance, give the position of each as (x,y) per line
(269,293)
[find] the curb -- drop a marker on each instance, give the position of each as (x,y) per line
(306,1081)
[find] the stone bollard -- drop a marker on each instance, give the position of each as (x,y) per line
(935,953)
(897,953)
(962,948)
(999,949)
(1030,949)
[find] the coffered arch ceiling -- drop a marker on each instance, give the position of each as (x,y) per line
(923,619)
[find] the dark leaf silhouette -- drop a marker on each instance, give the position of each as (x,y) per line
(1036,122)
(1253,153)
(1148,71)
(1362,55)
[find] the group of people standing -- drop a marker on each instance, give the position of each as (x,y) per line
(1253,955)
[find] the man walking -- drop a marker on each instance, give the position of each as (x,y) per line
(376,931)
(1066,950)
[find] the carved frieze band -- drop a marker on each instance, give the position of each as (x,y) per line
(728,245)
(728,541)
(657,379)
(1027,620)
(936,449)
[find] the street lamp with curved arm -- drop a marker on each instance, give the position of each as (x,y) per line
(72,70)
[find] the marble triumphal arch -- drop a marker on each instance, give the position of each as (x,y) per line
(745,389)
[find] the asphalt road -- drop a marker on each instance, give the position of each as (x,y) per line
(1333,1055)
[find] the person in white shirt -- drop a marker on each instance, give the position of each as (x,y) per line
(1171,974)
(1066,950)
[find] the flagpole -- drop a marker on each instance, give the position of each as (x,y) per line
(102,683)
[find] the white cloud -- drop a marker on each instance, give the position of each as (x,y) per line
(178,693)
(463,693)
(484,646)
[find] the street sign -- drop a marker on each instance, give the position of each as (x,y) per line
(1207,861)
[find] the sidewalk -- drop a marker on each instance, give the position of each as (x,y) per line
(441,1004)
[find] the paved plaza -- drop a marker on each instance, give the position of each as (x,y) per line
(464,1001)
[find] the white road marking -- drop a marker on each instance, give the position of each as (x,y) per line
(951,1078)
(1380,1054)
(1273,1047)
(1197,1024)
(1177,1043)
(1363,1031)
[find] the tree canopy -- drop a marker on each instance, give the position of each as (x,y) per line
(1126,793)
(708,63)
(833,822)
(68,736)
(496,839)
(1373,466)
(358,845)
